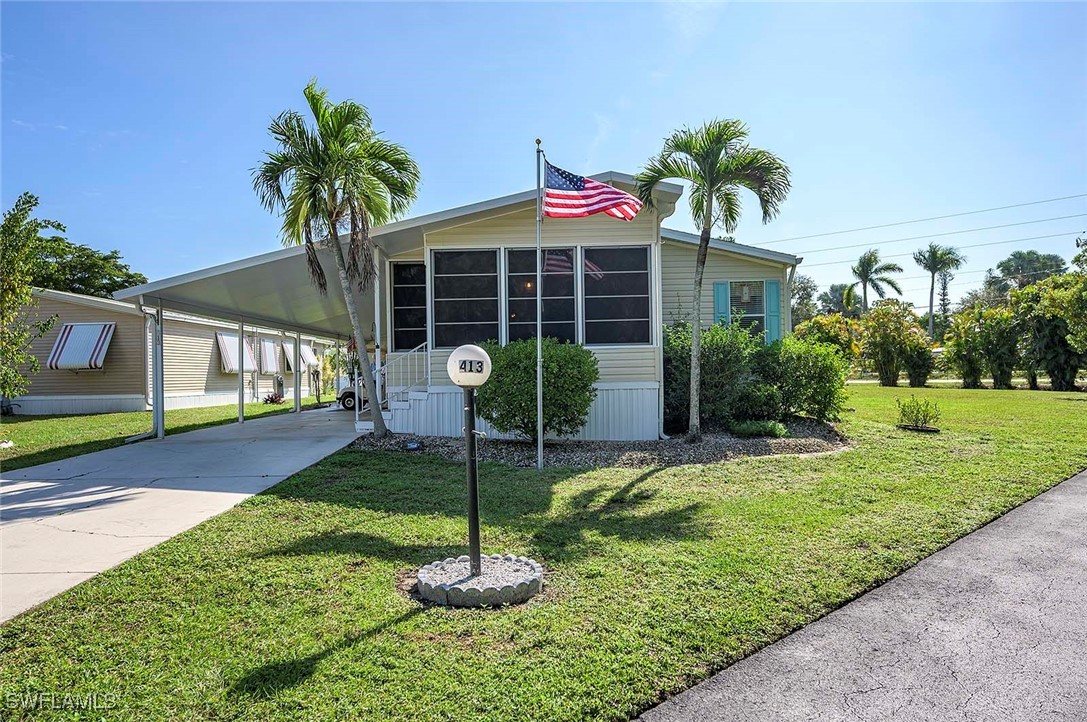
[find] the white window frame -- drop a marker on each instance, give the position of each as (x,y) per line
(760,316)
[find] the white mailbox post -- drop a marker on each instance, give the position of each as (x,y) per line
(469,367)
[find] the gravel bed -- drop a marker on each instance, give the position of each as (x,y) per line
(805,437)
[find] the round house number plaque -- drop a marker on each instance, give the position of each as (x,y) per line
(469,366)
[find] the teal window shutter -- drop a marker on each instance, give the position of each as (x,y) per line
(722,305)
(772,299)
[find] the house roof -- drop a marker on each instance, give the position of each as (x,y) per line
(669,234)
(274,289)
(106,304)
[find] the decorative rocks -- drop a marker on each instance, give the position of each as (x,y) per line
(504,579)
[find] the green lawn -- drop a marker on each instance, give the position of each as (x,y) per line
(287,606)
(40,439)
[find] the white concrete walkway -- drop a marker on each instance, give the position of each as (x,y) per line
(63,522)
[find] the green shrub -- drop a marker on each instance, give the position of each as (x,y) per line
(1046,334)
(508,399)
(748,429)
(726,361)
(835,329)
(809,375)
(917,358)
(1000,344)
(963,349)
(887,330)
(917,412)
(757,401)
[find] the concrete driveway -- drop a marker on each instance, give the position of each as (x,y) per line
(64,522)
(994,627)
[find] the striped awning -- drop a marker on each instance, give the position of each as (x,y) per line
(309,358)
(228,350)
(269,359)
(81,346)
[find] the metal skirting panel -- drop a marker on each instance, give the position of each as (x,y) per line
(621,413)
(90,404)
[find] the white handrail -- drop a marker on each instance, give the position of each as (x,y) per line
(406,372)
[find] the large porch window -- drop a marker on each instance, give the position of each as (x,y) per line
(559,314)
(409,305)
(465,297)
(617,308)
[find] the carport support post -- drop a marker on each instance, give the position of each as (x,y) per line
(338,352)
(241,372)
(158,378)
(297,373)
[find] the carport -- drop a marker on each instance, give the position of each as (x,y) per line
(272,290)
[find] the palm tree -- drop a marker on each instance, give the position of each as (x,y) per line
(335,176)
(717,162)
(937,259)
(870,272)
(839,298)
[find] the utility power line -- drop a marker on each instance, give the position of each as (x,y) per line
(940,235)
(923,220)
(974,245)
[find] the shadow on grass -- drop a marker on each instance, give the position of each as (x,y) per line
(268,679)
(517,499)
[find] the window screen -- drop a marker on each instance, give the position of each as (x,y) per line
(748,308)
(616,282)
(465,297)
(409,305)
(559,319)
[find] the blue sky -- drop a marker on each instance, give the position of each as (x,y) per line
(137,124)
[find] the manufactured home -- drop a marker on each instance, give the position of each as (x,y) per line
(467,275)
(96,359)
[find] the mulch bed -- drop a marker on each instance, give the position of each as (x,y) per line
(805,437)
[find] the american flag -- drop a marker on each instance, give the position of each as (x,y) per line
(573,196)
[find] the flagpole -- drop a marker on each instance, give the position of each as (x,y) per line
(539,310)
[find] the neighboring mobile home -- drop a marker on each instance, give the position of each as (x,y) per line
(467,275)
(96,358)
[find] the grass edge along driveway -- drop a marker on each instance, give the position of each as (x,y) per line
(287,606)
(42,439)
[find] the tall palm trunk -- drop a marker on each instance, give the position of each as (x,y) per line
(932,306)
(864,296)
(380,429)
(694,424)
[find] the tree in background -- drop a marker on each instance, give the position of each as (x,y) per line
(870,271)
(964,351)
(21,250)
(1080,259)
(945,278)
(992,294)
(845,334)
(936,259)
(337,175)
(804,307)
(1041,316)
(718,163)
(840,298)
(67,266)
(1023,268)
(1000,344)
(887,338)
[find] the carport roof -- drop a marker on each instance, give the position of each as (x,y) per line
(274,289)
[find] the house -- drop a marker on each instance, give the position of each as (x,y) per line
(96,359)
(467,274)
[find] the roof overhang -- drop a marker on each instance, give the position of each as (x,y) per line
(275,289)
(762,254)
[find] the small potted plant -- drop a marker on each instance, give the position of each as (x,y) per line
(916,414)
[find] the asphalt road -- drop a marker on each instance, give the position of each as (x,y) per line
(994,627)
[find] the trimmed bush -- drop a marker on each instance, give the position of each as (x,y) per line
(748,429)
(963,349)
(917,358)
(757,401)
(508,399)
(726,360)
(887,330)
(810,376)
(1000,344)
